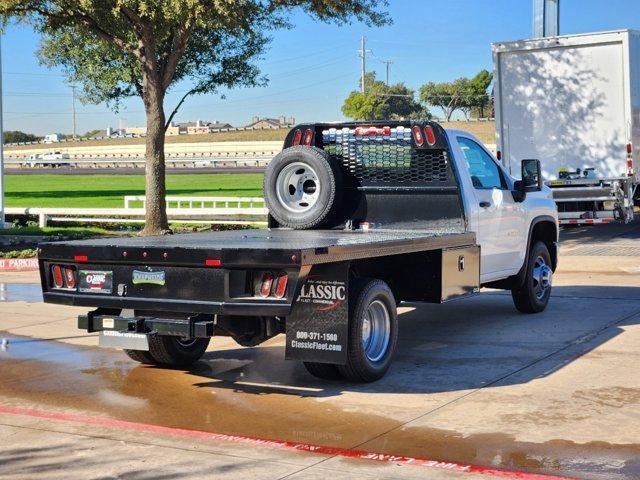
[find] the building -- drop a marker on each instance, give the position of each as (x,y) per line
(54,138)
(258,123)
(172,129)
(200,127)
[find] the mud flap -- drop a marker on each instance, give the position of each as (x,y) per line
(318,327)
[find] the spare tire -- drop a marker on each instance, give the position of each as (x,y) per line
(302,187)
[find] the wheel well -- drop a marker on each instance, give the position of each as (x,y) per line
(547,233)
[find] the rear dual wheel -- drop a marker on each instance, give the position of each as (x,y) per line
(373,335)
(170,351)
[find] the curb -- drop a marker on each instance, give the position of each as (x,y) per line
(18,264)
(283,444)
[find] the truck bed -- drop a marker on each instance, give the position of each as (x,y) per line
(271,247)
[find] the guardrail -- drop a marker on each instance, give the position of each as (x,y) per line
(139,162)
(237,215)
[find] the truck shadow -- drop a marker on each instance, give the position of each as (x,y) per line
(475,343)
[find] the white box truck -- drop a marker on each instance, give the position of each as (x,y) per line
(573,102)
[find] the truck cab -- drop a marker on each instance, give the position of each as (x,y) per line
(500,218)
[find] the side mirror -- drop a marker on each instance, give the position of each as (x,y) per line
(531,175)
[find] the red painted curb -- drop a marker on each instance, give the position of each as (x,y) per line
(301,447)
(18,264)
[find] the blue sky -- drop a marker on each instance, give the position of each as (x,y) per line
(313,66)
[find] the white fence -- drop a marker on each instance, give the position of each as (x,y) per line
(176,202)
(222,210)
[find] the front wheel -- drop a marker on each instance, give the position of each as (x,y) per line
(373,331)
(533,296)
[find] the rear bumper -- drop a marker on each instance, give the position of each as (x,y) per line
(194,327)
(262,307)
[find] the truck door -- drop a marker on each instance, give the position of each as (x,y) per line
(501,221)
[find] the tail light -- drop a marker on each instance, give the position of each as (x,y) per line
(629,159)
(297,137)
(267,283)
(417,135)
(430,135)
(281,286)
(70,277)
(56,275)
(308,137)
(629,148)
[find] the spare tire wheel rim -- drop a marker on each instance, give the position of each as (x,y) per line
(298,187)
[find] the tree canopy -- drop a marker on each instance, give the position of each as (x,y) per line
(464,94)
(381,101)
(16,136)
(115,49)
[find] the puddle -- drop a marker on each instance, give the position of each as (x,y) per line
(20,292)
(233,392)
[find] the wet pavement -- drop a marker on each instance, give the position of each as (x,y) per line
(20,292)
(474,382)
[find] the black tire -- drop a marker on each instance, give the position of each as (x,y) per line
(328,187)
(171,351)
(325,371)
(359,367)
(140,356)
(532,297)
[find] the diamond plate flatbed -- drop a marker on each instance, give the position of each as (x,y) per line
(249,247)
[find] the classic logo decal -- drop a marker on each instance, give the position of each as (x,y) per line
(149,278)
(95,281)
(327,294)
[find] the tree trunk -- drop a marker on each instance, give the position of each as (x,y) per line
(156,212)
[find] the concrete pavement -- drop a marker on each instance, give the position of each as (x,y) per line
(474,382)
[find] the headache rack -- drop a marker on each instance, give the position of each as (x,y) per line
(395,174)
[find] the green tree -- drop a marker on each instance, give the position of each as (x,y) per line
(16,136)
(479,98)
(467,95)
(381,102)
(116,49)
(449,96)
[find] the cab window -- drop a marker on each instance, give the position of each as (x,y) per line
(484,171)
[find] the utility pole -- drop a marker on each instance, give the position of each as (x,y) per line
(363,57)
(73,109)
(388,63)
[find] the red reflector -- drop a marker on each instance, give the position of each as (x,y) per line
(308,136)
(281,286)
(499,155)
(80,258)
(430,135)
(629,148)
(212,262)
(56,274)
(70,277)
(417,135)
(297,137)
(267,282)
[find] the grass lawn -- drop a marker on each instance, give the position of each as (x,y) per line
(100,191)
